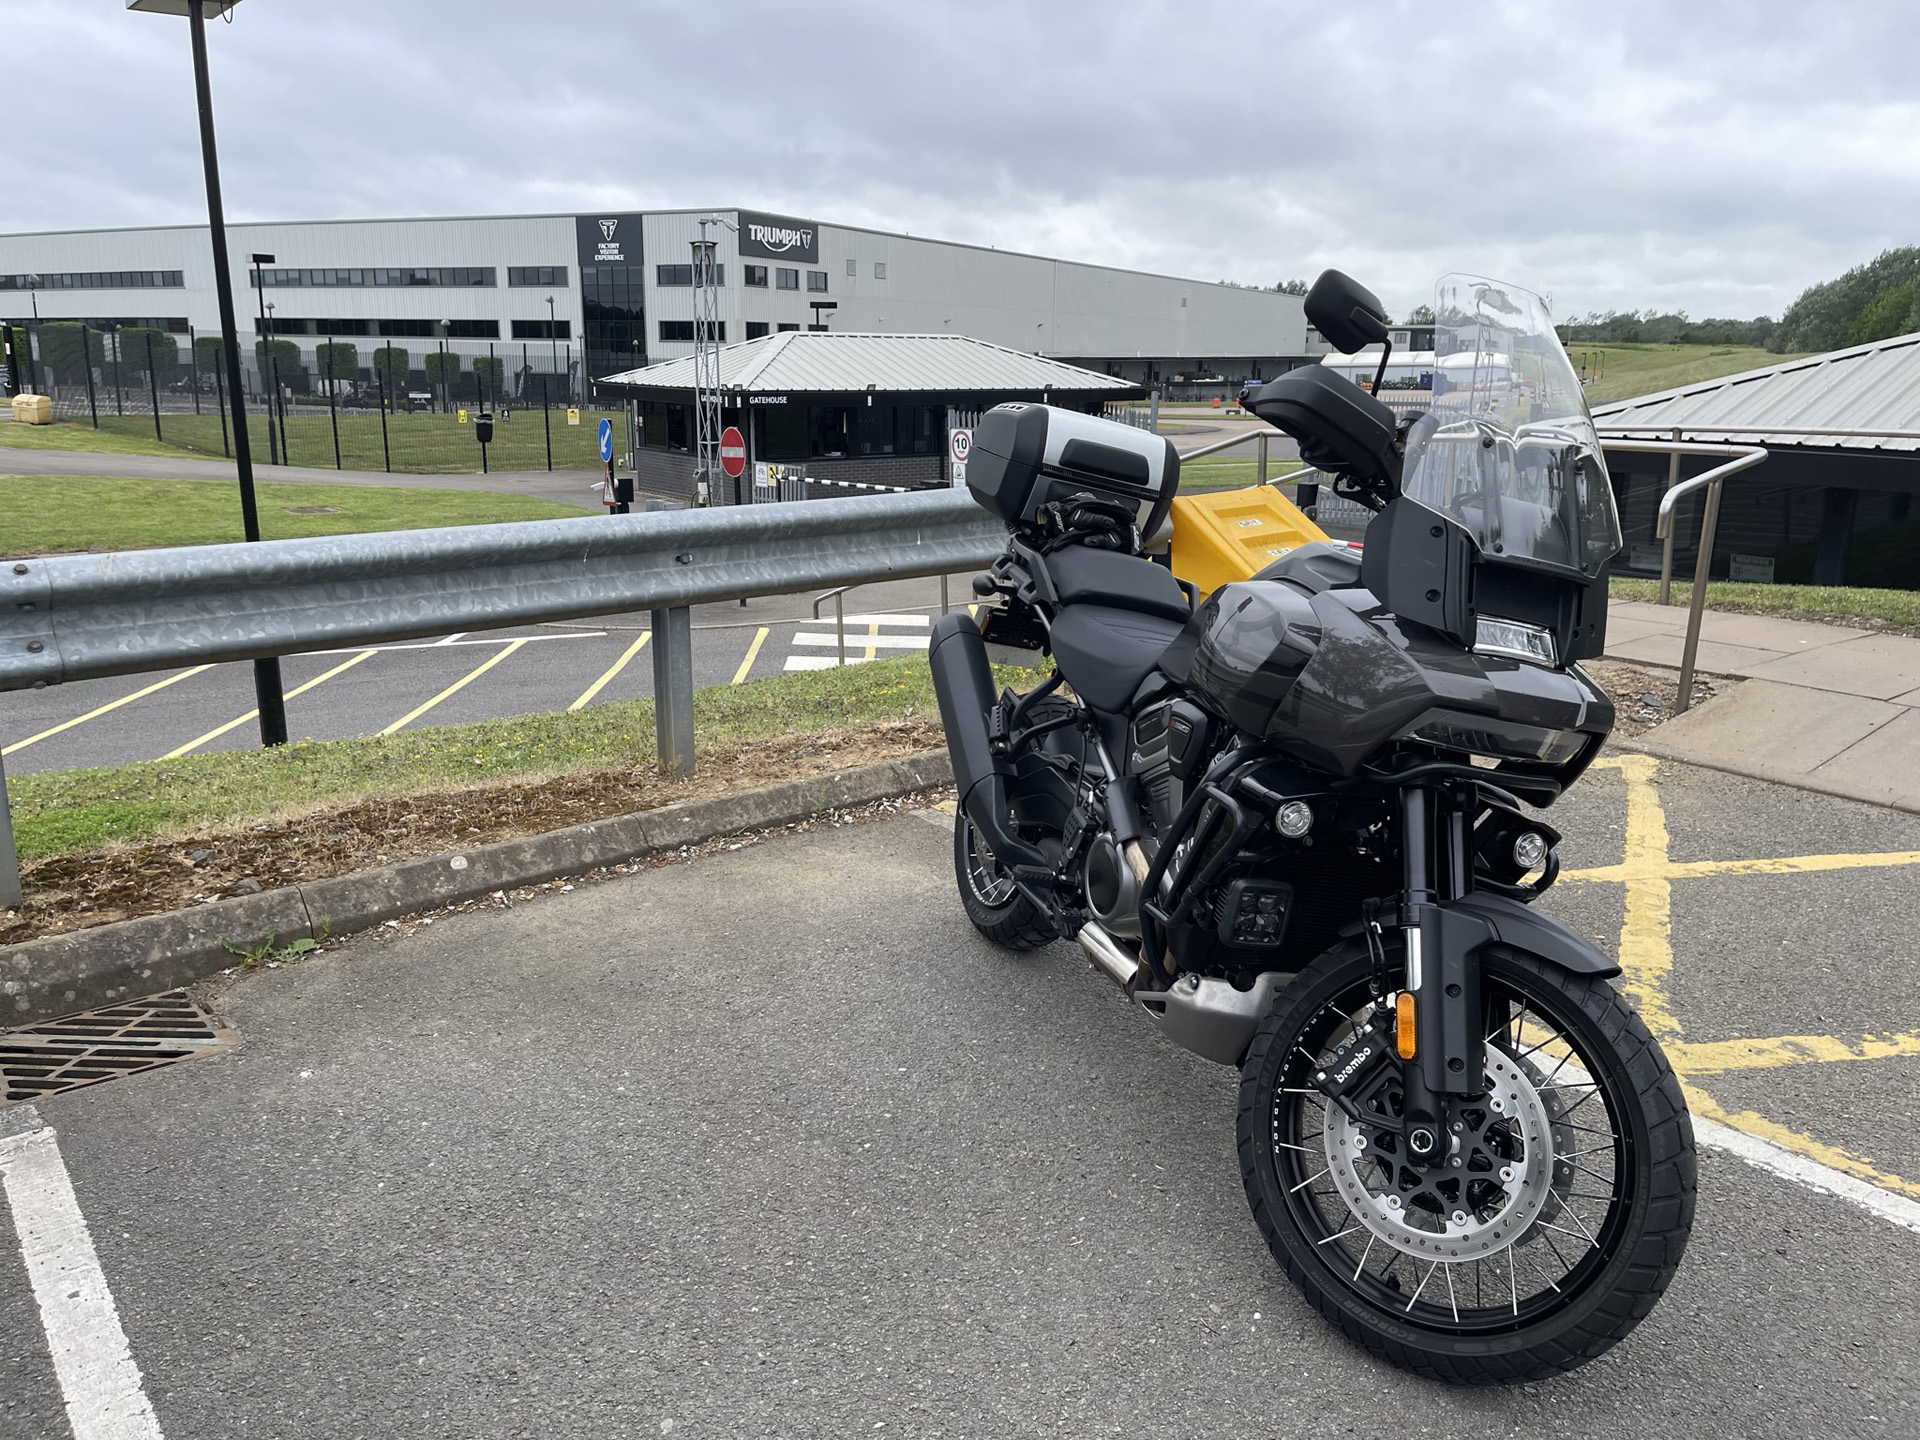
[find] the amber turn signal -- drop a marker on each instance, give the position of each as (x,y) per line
(1403,1024)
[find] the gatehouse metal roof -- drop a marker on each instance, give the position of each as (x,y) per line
(802,361)
(1863,398)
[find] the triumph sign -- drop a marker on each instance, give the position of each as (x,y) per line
(779,237)
(608,239)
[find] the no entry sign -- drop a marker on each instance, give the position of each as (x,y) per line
(733,452)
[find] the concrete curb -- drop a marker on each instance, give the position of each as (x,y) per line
(62,974)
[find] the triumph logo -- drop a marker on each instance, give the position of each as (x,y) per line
(607,227)
(779,239)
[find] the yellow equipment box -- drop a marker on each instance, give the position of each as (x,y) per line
(33,410)
(1231,534)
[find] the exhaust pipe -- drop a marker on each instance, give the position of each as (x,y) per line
(1120,965)
(964,684)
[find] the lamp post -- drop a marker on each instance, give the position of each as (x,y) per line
(553,337)
(266,352)
(33,331)
(269,696)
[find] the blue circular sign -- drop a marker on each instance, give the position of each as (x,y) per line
(606,439)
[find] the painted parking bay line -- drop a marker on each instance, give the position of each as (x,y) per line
(753,653)
(455,688)
(99,1381)
(102,710)
(612,670)
(218,731)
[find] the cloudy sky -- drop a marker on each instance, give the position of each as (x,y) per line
(1711,157)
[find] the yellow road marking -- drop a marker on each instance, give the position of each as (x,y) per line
(873,635)
(218,731)
(600,684)
(753,653)
(457,686)
(1710,1057)
(1646,958)
(1832,1156)
(96,714)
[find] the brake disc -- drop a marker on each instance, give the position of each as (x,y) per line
(1497,1179)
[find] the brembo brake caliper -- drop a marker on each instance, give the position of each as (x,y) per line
(1354,1072)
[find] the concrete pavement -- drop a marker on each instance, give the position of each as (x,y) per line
(1825,707)
(772,1144)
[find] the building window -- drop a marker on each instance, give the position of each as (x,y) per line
(817,281)
(457,276)
(474,329)
(543,329)
(340,327)
(756,276)
(536,275)
(756,328)
(853,267)
(832,431)
(786,279)
(683,274)
(682,331)
(281,325)
(96,280)
(416,329)
(879,269)
(784,328)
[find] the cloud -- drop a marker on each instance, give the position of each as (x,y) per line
(1712,157)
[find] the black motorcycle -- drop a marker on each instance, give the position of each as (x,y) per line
(1290,823)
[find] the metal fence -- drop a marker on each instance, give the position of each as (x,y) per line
(80,617)
(355,403)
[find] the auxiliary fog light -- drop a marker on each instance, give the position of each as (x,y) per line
(1294,819)
(1530,850)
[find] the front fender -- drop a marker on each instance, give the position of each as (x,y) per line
(1521,928)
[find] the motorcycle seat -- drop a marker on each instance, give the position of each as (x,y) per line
(1105,652)
(1083,575)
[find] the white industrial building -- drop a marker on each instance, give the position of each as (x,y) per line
(593,295)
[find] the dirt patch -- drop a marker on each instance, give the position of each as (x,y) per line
(74,892)
(1643,698)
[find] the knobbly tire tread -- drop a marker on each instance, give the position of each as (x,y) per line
(1018,924)
(1643,1264)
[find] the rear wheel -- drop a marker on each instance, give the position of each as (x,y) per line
(1550,1231)
(993,903)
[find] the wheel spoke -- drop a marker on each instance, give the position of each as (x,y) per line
(1421,1286)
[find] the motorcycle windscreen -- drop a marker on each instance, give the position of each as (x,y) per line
(1508,448)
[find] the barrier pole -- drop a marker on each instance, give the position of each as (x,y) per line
(10,895)
(1701,566)
(1666,545)
(673,688)
(153,391)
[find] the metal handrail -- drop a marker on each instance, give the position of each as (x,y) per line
(837,595)
(1742,457)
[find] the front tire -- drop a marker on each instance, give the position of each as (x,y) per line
(1557,1232)
(993,903)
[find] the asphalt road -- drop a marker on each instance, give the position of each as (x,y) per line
(771,1144)
(498,673)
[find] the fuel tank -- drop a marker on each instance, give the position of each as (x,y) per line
(1332,678)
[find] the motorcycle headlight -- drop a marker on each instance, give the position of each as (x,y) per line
(1502,739)
(1509,637)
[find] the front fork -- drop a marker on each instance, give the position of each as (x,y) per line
(1447,1059)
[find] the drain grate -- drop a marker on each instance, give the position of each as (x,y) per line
(105,1044)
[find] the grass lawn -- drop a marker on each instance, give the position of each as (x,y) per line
(62,811)
(419,444)
(46,514)
(66,435)
(1229,471)
(1624,371)
(1839,604)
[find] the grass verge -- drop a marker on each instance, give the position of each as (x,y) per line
(63,811)
(1892,610)
(418,443)
(48,514)
(1620,372)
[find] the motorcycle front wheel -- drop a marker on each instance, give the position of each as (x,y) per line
(1549,1232)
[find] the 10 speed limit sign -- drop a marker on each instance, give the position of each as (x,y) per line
(959,446)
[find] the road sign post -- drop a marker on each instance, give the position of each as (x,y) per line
(733,457)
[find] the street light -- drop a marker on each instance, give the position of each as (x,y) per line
(268,694)
(266,354)
(553,338)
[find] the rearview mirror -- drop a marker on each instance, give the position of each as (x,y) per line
(1346,312)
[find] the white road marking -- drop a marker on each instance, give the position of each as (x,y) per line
(860,642)
(98,1377)
(1764,1154)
